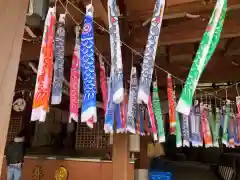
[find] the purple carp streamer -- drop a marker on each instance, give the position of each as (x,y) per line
(195,126)
(59,61)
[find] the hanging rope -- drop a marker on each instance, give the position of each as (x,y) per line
(139,54)
(237,89)
(55,5)
(66,8)
(226,93)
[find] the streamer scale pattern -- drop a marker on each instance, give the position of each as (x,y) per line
(150,52)
(158,112)
(89,109)
(132,102)
(116,55)
(59,61)
(207,46)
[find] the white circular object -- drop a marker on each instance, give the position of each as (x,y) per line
(19,105)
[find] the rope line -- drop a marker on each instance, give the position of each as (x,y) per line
(139,54)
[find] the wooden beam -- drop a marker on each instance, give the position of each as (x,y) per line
(181,53)
(198,6)
(178,2)
(72,10)
(31,51)
(233,47)
(144,159)
(162,50)
(188,31)
(12,18)
(175,9)
(101,11)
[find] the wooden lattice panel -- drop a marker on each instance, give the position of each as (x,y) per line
(87,138)
(15,127)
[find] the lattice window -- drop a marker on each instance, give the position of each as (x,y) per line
(14,128)
(87,138)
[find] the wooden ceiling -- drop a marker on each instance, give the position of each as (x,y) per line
(183,26)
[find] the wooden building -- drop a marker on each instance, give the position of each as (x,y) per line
(183,25)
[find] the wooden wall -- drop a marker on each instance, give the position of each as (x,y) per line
(77,169)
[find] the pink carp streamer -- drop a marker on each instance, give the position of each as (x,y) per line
(123,111)
(75,80)
(103,80)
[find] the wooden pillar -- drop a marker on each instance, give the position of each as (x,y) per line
(144,159)
(120,156)
(12,20)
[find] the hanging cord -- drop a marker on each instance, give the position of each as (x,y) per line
(201,99)
(136,52)
(66,8)
(55,5)
(237,89)
(156,77)
(210,100)
(183,87)
(132,59)
(77,23)
(232,107)
(139,54)
(80,29)
(174,85)
(206,99)
(215,102)
(226,93)
(156,74)
(77,31)
(30,8)
(104,59)
(196,102)
(227,87)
